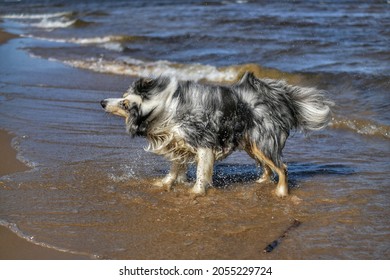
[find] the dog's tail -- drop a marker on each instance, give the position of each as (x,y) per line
(312,108)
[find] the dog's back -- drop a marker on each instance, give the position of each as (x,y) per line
(211,116)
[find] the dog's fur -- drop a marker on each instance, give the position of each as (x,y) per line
(190,122)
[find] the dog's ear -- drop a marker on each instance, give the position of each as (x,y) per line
(247,78)
(144,85)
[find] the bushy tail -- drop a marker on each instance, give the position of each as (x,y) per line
(313,110)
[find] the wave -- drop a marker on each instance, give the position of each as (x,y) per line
(139,68)
(50,20)
(196,72)
(105,39)
(60,23)
(37,16)
(111,42)
(362,127)
(95,40)
(208,73)
(49,24)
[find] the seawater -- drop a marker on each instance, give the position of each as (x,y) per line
(90,189)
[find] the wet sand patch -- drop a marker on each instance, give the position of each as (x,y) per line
(13,247)
(5,36)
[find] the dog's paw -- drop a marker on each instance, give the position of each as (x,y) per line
(198,190)
(281,191)
(163,185)
(182,180)
(263,180)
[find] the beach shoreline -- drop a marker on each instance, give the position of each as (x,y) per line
(13,247)
(5,36)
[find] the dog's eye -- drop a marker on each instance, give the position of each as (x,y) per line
(124,104)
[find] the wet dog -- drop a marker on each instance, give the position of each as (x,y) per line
(191,122)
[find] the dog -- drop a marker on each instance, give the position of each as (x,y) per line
(187,122)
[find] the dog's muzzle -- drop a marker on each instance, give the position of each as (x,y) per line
(103,103)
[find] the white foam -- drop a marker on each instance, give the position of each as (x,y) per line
(35,16)
(47,21)
(134,67)
(95,40)
(52,24)
(80,41)
(107,42)
(113,47)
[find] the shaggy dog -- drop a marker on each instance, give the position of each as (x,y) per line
(190,122)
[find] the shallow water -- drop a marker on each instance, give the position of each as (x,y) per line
(90,189)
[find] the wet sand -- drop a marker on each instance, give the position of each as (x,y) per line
(8,162)
(5,36)
(13,247)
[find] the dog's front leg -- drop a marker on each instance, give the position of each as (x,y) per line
(176,173)
(204,172)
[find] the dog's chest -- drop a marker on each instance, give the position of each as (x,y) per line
(172,146)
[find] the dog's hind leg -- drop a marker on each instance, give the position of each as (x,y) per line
(176,173)
(267,173)
(282,187)
(204,172)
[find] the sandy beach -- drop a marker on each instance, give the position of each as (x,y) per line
(13,247)
(88,189)
(9,163)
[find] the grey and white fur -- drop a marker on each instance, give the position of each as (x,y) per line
(190,122)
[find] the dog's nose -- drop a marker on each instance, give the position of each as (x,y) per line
(103,103)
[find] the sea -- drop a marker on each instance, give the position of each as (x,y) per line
(90,188)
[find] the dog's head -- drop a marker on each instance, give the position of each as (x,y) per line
(140,104)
